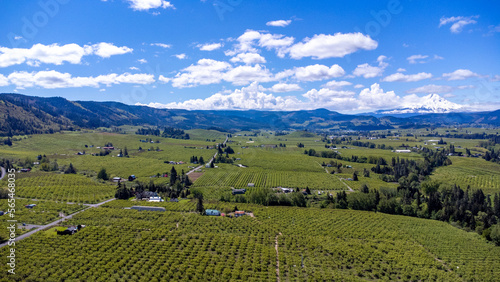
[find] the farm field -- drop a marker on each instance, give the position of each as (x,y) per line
(64,188)
(240,178)
(312,244)
(473,172)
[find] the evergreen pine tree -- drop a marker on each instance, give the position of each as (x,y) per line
(173,176)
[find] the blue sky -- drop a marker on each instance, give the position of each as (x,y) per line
(347,56)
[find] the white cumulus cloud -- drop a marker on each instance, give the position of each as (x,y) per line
(162,45)
(54,79)
(334,84)
(106,50)
(181,56)
(280,23)
(431,88)
(205,71)
(209,46)
(246,74)
(249,97)
(284,87)
(4,81)
(458,23)
(57,54)
(145,5)
(324,46)
(407,77)
(251,39)
(375,98)
(369,71)
(318,72)
(414,59)
(460,74)
(248,58)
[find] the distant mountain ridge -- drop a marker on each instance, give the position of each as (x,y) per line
(21,114)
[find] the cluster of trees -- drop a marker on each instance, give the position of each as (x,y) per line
(122,192)
(70,169)
(103,174)
(196,160)
(168,132)
(7,141)
(124,152)
(412,171)
(363,144)
(492,156)
(267,197)
(7,164)
(221,158)
(463,135)
(103,153)
(46,164)
(280,133)
(148,131)
(179,187)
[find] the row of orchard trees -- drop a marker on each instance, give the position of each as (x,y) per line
(470,209)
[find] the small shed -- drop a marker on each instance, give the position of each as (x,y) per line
(155,199)
(238,191)
(212,212)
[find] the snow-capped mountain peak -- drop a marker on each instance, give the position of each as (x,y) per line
(432,103)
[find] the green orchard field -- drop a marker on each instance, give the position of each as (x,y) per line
(285,243)
(64,188)
(307,244)
(474,172)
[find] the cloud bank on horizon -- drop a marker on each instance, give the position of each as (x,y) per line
(240,55)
